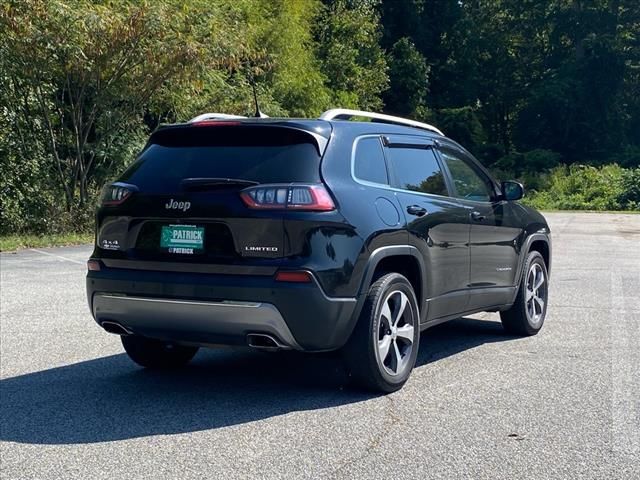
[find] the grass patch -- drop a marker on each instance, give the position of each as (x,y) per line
(9,243)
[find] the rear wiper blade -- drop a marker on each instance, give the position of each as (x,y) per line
(215,182)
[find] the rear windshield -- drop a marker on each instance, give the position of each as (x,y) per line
(260,154)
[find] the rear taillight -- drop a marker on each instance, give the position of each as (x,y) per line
(292,197)
(116,193)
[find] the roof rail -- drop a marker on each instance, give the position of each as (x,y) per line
(346,114)
(214,116)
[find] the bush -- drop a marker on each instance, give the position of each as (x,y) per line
(531,168)
(630,196)
(580,187)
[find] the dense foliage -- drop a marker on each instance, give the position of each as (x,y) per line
(582,187)
(529,86)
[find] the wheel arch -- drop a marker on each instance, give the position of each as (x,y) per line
(403,259)
(539,242)
(544,248)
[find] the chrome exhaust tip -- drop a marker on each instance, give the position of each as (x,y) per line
(265,342)
(115,328)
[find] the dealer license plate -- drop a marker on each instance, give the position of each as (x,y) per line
(182,239)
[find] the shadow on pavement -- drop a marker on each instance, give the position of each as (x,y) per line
(110,398)
(456,336)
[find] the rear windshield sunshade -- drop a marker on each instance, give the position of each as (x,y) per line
(258,154)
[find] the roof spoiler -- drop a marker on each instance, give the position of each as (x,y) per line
(319,135)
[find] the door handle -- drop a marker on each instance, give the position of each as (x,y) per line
(477,216)
(416,210)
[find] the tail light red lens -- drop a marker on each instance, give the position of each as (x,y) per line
(293,276)
(290,197)
(115,193)
(93,265)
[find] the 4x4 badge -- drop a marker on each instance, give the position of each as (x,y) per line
(175,205)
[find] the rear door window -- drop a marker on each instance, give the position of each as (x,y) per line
(417,170)
(259,154)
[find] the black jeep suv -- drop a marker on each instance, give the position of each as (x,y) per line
(311,235)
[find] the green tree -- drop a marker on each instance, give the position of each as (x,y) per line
(348,35)
(298,83)
(577,105)
(464,126)
(85,73)
(409,80)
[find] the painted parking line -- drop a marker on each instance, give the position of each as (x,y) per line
(624,401)
(59,257)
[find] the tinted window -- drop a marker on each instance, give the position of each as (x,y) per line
(369,161)
(417,170)
(467,182)
(261,154)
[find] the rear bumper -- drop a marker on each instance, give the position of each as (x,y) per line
(220,309)
(197,321)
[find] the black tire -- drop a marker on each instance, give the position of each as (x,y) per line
(519,320)
(150,353)
(362,352)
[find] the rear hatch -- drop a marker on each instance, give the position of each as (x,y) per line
(212,193)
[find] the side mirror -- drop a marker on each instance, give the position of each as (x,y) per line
(511,190)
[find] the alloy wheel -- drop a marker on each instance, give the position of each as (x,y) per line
(395,333)
(536,295)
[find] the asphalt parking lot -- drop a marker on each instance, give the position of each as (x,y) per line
(480,404)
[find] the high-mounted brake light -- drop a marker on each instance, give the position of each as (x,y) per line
(215,123)
(313,198)
(116,193)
